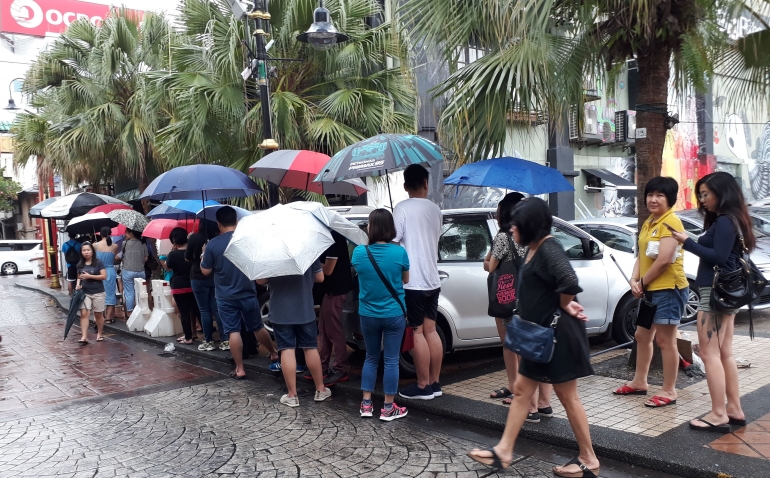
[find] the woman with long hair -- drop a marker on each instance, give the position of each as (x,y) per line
(548,285)
(381,312)
(659,275)
(132,266)
(91,275)
(181,288)
(503,250)
(106,252)
(724,209)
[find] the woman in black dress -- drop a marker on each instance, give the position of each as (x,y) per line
(548,283)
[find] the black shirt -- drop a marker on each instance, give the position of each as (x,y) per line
(91,286)
(193,255)
(340,281)
(716,247)
(180,278)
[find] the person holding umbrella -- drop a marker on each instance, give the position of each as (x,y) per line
(91,274)
(135,254)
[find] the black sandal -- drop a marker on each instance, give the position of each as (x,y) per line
(725,428)
(234,375)
(584,472)
(501,393)
(741,422)
(496,461)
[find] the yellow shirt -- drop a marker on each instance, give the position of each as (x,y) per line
(673,275)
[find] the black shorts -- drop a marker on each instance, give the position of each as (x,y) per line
(421,305)
(72,273)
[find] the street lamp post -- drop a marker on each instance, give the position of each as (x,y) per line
(11,102)
(261,17)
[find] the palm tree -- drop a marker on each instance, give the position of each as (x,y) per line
(323,102)
(540,52)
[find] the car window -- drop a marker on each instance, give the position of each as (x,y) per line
(5,247)
(572,245)
(612,238)
(693,228)
(464,240)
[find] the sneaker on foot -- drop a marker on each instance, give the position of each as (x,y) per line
(545,412)
(436,387)
(275,367)
(301,368)
(367,409)
(533,417)
(309,376)
(392,414)
(414,392)
(335,377)
(290,401)
(225,345)
(206,346)
(321,396)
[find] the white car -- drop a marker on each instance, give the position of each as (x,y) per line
(15,255)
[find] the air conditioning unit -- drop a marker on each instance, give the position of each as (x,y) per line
(625,127)
(20,226)
(587,130)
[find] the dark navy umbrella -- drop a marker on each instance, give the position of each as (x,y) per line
(180,208)
(515,174)
(201,181)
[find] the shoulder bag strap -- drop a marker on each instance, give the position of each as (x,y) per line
(385,282)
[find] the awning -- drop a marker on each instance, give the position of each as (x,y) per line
(611,181)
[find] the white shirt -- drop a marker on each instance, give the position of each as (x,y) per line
(418,228)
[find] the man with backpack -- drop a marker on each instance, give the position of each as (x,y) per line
(71,251)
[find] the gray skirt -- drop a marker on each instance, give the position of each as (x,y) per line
(705,302)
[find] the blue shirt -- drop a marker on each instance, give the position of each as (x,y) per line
(716,247)
(291,297)
(229,282)
(374,300)
(66,246)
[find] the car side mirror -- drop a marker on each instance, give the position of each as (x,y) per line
(596,250)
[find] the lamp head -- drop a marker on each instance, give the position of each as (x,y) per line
(11,105)
(322,35)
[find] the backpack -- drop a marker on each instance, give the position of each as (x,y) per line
(72,256)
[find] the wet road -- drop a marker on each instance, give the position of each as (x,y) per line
(122,408)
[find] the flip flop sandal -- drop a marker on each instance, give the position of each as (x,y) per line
(711,427)
(83,342)
(100,339)
(626,390)
(584,472)
(658,401)
(496,461)
(737,421)
(500,393)
(236,376)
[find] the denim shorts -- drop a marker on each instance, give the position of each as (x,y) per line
(231,312)
(671,303)
(296,336)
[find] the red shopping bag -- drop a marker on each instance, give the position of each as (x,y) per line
(407,343)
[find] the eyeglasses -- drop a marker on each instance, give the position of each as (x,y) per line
(703,196)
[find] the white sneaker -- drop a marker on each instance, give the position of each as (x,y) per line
(321,396)
(291,401)
(225,345)
(207,346)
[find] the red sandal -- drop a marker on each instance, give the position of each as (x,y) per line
(658,401)
(626,390)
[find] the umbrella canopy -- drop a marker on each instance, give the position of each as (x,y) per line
(74,310)
(210,212)
(278,242)
(333,220)
(35,210)
(133,220)
(380,155)
(200,181)
(515,174)
(161,228)
(74,205)
(180,208)
(105,208)
(297,169)
(90,223)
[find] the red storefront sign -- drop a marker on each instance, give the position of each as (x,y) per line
(38,17)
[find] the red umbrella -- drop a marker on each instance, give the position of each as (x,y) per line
(105,208)
(296,169)
(161,228)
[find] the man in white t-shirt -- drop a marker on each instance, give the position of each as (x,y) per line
(418,227)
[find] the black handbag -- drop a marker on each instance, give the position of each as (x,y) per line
(501,287)
(530,340)
(734,289)
(645,314)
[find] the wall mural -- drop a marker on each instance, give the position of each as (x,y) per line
(608,203)
(756,155)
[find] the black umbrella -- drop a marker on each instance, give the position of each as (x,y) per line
(74,312)
(74,205)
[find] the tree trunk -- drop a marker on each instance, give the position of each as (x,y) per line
(652,101)
(144,181)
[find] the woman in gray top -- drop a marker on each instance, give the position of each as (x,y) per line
(134,256)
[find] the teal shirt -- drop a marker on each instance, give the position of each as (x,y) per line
(374,300)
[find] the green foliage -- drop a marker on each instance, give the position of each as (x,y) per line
(8,192)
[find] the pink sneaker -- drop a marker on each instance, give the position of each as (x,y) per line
(367,410)
(393,413)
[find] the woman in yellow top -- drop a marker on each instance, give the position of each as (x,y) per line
(659,273)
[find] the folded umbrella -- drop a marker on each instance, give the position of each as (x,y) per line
(74,311)
(278,242)
(161,228)
(90,223)
(333,220)
(133,220)
(511,173)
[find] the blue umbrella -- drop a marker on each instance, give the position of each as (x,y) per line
(515,174)
(180,208)
(210,212)
(200,181)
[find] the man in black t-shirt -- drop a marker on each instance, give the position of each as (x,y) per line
(338,282)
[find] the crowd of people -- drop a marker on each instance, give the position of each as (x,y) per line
(399,289)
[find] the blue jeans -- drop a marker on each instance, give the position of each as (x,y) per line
(388,332)
(128,287)
(207,305)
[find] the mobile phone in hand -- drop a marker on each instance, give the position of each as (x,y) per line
(669,227)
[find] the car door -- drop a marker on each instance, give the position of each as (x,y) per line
(591,274)
(464,242)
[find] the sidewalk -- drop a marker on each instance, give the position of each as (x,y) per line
(622,428)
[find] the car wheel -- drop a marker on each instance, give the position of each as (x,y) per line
(406,362)
(691,307)
(9,268)
(623,324)
(264,310)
